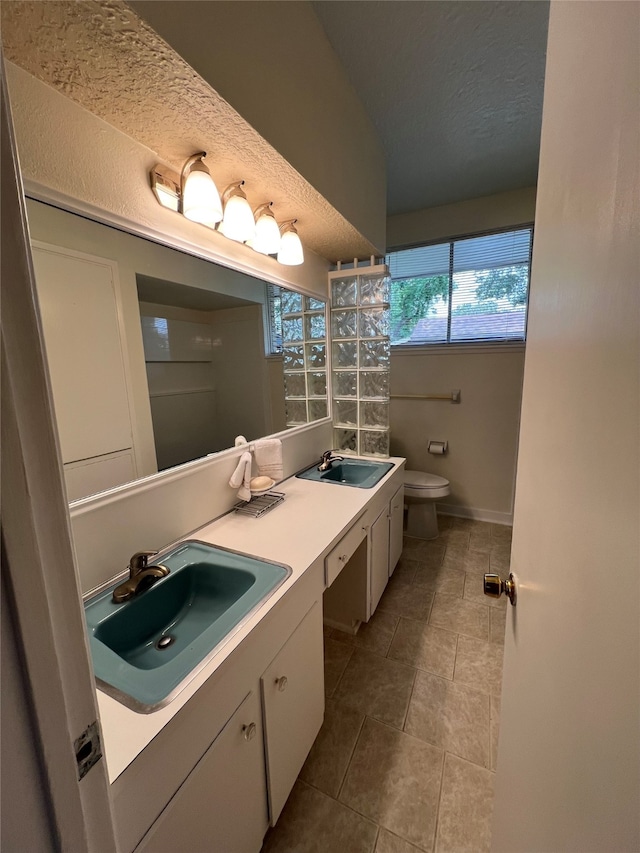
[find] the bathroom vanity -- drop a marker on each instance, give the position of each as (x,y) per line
(219,761)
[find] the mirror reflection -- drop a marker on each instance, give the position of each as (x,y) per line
(158,357)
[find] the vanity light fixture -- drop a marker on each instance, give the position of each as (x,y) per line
(165,186)
(238,222)
(290,252)
(200,196)
(267,237)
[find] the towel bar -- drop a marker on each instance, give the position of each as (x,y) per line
(453,397)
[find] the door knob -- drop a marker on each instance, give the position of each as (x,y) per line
(494,586)
(282,683)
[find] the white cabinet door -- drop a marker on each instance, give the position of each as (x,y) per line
(396,518)
(293,706)
(379,558)
(222,804)
(81,325)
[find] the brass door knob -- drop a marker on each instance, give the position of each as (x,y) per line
(494,586)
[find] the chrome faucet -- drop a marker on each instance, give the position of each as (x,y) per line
(141,576)
(327,460)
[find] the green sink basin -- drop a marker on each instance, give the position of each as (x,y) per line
(363,474)
(145,650)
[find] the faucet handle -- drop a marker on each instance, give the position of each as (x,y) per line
(139,560)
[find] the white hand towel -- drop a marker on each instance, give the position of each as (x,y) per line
(269,458)
(242,477)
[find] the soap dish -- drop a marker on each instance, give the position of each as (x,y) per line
(261,485)
(259,505)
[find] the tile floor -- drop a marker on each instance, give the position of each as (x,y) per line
(406,756)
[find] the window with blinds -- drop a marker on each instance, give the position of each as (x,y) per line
(469,290)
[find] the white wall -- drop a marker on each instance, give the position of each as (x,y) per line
(273,63)
(482,430)
(489,213)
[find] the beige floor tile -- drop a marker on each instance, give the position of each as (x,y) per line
(479,665)
(439,579)
(331,753)
(451,716)
(445,521)
(394,779)
(501,533)
(405,569)
(455,537)
(456,614)
(377,687)
(466,806)
(390,843)
(480,541)
(471,562)
(424,647)
(405,599)
(474,591)
(423,549)
(374,635)
(497,625)
(495,730)
(336,658)
(311,822)
(500,557)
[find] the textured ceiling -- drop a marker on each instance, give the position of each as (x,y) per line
(454,90)
(103,57)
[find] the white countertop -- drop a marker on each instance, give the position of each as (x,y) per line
(312,518)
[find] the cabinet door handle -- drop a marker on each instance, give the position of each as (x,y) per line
(343,558)
(282,683)
(249,731)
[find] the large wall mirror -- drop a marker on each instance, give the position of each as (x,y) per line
(158,357)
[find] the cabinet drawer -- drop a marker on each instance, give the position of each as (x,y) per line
(293,706)
(336,560)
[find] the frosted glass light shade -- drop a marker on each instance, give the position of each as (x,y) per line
(267,237)
(200,197)
(290,252)
(238,222)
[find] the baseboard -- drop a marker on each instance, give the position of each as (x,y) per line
(477,514)
(340,626)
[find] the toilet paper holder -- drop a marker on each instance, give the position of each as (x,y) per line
(438,448)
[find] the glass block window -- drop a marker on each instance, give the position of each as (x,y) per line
(474,289)
(298,330)
(360,360)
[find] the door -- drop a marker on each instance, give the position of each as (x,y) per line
(379,557)
(567,777)
(293,707)
(396,519)
(222,804)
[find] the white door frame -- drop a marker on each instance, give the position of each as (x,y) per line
(44,592)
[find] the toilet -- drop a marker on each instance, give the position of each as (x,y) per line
(421,492)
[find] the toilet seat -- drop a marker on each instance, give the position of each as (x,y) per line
(419,484)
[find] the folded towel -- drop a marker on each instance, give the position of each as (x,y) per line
(241,477)
(269,458)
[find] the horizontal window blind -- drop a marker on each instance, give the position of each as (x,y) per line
(472,289)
